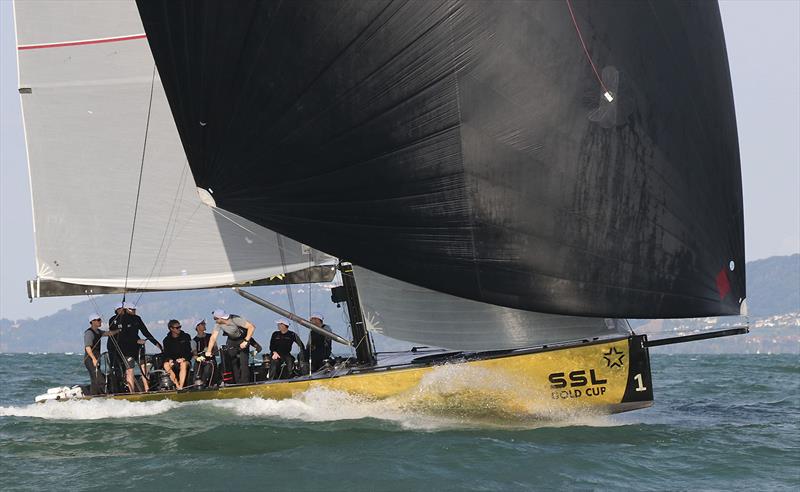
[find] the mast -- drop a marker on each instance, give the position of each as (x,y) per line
(348,293)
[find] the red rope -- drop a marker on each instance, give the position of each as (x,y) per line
(586,51)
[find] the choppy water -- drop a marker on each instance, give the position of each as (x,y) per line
(720,422)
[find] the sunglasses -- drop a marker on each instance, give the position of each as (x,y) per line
(175,327)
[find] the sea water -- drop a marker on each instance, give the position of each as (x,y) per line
(720,422)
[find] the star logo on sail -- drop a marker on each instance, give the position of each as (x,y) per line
(613,357)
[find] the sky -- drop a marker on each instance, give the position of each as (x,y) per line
(763,41)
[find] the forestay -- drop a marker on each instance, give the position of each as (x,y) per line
(85,78)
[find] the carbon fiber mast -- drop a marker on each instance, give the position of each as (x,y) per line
(348,293)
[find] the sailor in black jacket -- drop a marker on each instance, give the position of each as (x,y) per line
(177,351)
(319,346)
(132,346)
(280,346)
(206,371)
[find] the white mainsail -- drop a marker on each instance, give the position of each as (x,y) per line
(85,78)
(408,312)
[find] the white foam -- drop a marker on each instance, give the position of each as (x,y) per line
(325,405)
(94,409)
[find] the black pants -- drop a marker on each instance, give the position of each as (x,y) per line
(318,357)
(281,368)
(206,372)
(97,377)
(237,361)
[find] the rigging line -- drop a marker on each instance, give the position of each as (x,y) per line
(139,186)
(285,279)
(170,222)
(218,212)
(585,50)
(91,299)
(308,287)
(346,321)
(172,238)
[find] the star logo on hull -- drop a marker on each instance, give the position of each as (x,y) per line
(613,357)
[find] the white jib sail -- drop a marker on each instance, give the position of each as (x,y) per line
(408,312)
(85,78)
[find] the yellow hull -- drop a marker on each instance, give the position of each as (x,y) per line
(607,376)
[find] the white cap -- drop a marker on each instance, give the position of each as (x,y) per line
(129,305)
(119,305)
(319,316)
(221,314)
(201,322)
(281,321)
(94,316)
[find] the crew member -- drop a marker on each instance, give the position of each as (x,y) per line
(130,344)
(116,373)
(280,346)
(205,369)
(91,343)
(319,346)
(178,351)
(236,356)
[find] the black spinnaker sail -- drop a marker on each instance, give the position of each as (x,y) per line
(469,147)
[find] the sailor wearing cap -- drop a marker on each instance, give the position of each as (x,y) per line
(280,347)
(91,344)
(116,373)
(205,369)
(319,346)
(132,347)
(236,356)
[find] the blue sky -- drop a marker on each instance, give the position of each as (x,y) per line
(763,39)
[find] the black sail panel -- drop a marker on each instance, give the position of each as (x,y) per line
(469,147)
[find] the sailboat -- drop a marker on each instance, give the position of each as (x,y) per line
(507,181)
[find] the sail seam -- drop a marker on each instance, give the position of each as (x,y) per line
(81,42)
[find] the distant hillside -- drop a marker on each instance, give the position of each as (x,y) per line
(773,288)
(62,331)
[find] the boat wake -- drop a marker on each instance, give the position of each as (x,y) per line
(95,409)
